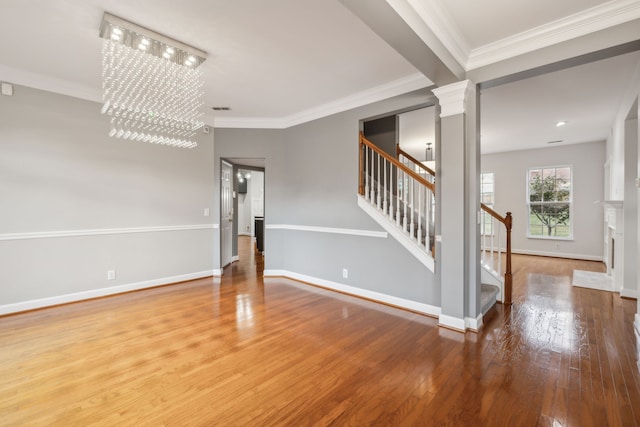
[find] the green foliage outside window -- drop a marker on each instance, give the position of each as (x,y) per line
(550,202)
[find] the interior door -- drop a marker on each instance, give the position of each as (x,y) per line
(226,214)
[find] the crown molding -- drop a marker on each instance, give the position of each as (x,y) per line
(453,98)
(394,88)
(442,25)
(597,18)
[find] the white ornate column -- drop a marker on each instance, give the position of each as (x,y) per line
(457,246)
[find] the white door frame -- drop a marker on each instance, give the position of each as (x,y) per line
(226,214)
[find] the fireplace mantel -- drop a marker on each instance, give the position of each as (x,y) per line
(616,204)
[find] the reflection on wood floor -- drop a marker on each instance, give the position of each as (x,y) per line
(235,351)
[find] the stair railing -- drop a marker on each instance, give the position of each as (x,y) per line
(492,251)
(410,161)
(400,193)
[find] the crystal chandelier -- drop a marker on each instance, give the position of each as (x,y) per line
(152,85)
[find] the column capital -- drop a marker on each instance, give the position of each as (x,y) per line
(453,97)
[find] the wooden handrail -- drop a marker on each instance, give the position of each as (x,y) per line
(395,162)
(493,213)
(400,151)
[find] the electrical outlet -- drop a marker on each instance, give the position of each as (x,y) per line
(345,273)
(111,275)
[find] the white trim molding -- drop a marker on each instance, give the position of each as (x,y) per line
(438,20)
(217,272)
(96,293)
(394,88)
(102,231)
(600,17)
(451,322)
(315,229)
(415,306)
(453,97)
(629,293)
(473,324)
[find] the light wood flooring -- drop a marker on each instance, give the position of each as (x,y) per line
(237,351)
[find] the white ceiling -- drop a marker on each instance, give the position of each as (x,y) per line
(523,114)
(277,63)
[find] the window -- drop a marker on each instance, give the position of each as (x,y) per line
(486,197)
(549,201)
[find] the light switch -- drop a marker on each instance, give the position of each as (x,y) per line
(206,211)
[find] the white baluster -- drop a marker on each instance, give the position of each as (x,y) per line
(419,236)
(398,196)
(392,168)
(412,226)
(492,253)
(366,172)
(427,220)
(499,270)
(484,237)
(373,166)
(404,200)
(378,200)
(385,207)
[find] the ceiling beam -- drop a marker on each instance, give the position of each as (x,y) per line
(606,43)
(424,51)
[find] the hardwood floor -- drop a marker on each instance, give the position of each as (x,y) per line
(233,351)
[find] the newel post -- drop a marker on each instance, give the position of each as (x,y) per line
(508,281)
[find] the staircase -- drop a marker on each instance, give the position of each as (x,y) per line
(399,193)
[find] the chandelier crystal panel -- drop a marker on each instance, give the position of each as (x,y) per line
(152,86)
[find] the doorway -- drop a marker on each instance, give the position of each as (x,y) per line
(243,201)
(226,214)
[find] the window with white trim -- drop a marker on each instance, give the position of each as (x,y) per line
(549,196)
(487,197)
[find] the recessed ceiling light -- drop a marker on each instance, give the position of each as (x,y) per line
(560,123)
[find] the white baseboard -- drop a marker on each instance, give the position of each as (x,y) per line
(558,255)
(473,324)
(217,272)
(451,322)
(235,258)
(96,293)
(244,233)
(629,293)
(418,307)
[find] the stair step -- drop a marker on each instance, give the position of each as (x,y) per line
(488,294)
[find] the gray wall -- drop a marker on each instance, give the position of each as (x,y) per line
(587,160)
(311,179)
(60,172)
